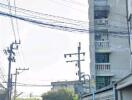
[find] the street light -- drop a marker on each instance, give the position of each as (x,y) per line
(84,75)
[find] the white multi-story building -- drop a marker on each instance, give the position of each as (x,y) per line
(109,41)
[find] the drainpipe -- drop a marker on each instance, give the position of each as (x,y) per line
(93,94)
(114,92)
(129,34)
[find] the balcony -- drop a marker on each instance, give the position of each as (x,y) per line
(102,46)
(103,66)
(101,22)
(103,69)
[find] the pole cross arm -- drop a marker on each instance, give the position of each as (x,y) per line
(70,54)
(75,60)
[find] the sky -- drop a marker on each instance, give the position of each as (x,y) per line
(42,49)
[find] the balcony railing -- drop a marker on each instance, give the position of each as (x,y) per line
(100,2)
(102,8)
(103,67)
(101,22)
(102,45)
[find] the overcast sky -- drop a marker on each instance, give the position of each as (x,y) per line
(43,49)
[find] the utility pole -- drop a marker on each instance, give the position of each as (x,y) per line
(11,58)
(11,86)
(23,69)
(78,60)
(79,53)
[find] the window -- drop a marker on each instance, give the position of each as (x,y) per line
(101,9)
(100,14)
(102,57)
(102,81)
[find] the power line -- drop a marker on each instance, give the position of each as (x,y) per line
(38,13)
(12,23)
(53,26)
(47,17)
(62,27)
(75,2)
(32,85)
(49,25)
(60,3)
(17,27)
(65,22)
(56,19)
(17,30)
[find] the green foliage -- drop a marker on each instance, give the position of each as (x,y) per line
(27,99)
(62,94)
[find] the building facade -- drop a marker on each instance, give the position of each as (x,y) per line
(121,90)
(2,93)
(75,86)
(109,43)
(103,94)
(63,84)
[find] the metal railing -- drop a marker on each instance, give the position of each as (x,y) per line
(100,2)
(102,45)
(102,7)
(102,21)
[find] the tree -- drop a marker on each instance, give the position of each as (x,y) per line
(27,99)
(62,94)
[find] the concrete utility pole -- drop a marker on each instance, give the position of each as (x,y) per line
(11,58)
(15,94)
(79,53)
(11,86)
(78,61)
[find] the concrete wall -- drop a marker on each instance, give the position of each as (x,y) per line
(2,94)
(120,55)
(58,87)
(123,91)
(129,7)
(91,38)
(124,88)
(107,95)
(125,94)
